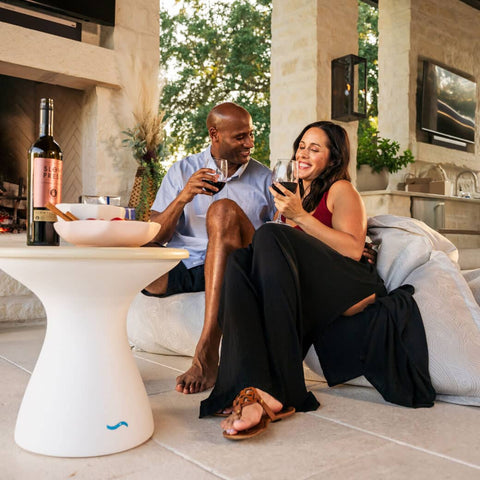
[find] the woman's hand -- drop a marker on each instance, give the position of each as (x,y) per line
(370,252)
(287,203)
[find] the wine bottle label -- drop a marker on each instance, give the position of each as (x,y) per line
(47,181)
(44,216)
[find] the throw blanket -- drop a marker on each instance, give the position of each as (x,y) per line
(386,343)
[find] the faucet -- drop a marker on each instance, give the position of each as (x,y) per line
(475,180)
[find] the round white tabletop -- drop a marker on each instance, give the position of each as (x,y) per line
(85,396)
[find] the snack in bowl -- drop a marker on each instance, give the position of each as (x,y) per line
(84,211)
(107,233)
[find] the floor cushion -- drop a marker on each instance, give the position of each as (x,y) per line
(168,326)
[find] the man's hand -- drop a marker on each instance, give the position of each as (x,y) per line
(370,253)
(196,185)
(169,217)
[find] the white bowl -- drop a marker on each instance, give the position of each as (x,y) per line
(107,233)
(90,210)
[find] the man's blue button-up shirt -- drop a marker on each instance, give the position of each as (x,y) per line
(248,187)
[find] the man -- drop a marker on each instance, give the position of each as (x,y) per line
(210,230)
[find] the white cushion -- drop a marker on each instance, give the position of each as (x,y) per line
(169,325)
(452,325)
(404,244)
(472,277)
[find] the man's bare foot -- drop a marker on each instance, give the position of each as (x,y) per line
(250,415)
(199,377)
(158,286)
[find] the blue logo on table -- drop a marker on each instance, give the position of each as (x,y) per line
(119,424)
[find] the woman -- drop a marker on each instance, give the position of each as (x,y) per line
(281,292)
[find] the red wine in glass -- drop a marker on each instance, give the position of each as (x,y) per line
(291,186)
(285,172)
(219,178)
(219,185)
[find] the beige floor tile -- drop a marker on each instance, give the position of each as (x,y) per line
(14,382)
(446,429)
(22,345)
(148,461)
(293,448)
(158,375)
(176,362)
(394,462)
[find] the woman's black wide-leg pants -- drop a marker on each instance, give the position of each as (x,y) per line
(278,296)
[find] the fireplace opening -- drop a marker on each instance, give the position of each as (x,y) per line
(19,123)
(13,211)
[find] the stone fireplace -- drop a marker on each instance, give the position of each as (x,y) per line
(96,84)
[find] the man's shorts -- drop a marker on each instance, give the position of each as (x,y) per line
(183,280)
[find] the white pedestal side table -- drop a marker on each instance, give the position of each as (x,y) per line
(85,396)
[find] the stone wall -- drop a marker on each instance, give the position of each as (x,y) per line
(306,36)
(444,31)
(18,305)
(110,111)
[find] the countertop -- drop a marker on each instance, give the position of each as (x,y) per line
(402,193)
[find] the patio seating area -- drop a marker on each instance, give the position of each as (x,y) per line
(355,434)
(99,80)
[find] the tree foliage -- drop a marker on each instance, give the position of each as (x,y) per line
(368,48)
(219,51)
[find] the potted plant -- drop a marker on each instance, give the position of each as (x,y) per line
(147,141)
(376,158)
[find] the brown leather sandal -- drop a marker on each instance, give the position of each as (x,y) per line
(249,396)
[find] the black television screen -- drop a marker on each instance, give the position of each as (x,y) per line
(448,103)
(97,11)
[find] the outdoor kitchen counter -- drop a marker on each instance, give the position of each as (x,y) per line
(455,216)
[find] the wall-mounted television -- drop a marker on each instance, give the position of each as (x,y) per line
(96,11)
(448,104)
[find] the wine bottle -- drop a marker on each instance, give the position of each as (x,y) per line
(45,163)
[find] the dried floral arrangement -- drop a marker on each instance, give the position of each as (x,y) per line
(147,141)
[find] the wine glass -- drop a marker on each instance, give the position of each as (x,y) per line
(219,178)
(285,172)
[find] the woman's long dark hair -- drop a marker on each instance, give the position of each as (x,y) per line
(337,168)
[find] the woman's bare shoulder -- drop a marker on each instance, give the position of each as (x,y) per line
(342,192)
(342,186)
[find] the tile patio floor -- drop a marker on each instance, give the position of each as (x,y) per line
(353,435)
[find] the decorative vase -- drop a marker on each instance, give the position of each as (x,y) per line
(368,180)
(142,195)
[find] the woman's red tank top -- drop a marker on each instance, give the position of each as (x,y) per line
(322,213)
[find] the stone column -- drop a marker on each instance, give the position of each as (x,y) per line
(108,167)
(396,117)
(306,36)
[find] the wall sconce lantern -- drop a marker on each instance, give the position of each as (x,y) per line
(349,87)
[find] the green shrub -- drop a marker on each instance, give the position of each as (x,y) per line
(380,152)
